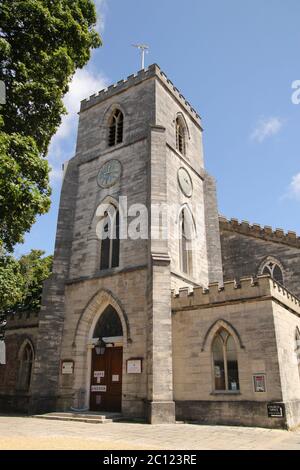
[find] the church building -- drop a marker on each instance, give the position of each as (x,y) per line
(157,308)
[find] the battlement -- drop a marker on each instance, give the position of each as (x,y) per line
(22,319)
(246,289)
(133,80)
(264,232)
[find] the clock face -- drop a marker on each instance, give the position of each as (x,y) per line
(109,173)
(185,182)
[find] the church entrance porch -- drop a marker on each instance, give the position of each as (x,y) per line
(106,379)
(106,363)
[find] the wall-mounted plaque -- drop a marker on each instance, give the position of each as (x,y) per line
(134,366)
(99,373)
(98,388)
(259,382)
(67,367)
(276,410)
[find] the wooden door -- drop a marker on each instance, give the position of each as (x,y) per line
(106,380)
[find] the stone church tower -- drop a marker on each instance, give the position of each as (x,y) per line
(105,332)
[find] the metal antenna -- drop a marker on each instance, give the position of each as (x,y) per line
(143,48)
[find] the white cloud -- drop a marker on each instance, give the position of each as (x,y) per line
(266,127)
(56,175)
(101,6)
(294,188)
(83,84)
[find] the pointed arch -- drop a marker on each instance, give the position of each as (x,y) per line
(225,361)
(26,359)
(272,266)
(107,200)
(84,341)
(115,127)
(182,133)
(92,312)
(24,343)
(182,117)
(215,327)
(108,232)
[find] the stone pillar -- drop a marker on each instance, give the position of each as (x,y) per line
(215,267)
(46,369)
(160,404)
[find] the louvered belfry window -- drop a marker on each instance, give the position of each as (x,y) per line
(116,122)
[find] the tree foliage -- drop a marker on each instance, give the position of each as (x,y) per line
(10,281)
(21,282)
(42,43)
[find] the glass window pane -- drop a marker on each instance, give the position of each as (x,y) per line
(105,248)
(223,335)
(116,244)
(232,365)
(184,256)
(219,370)
(266,271)
(277,274)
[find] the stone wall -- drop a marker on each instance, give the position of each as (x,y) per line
(248,311)
(286,324)
(20,328)
(245,247)
(168,107)
(85,301)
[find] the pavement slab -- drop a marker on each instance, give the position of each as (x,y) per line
(26,433)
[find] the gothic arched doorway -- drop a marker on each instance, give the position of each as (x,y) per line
(106,370)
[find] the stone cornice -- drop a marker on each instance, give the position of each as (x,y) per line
(135,79)
(257,231)
(22,320)
(232,292)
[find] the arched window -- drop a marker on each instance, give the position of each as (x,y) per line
(225,362)
(298,349)
(26,363)
(115,134)
(180,136)
(272,267)
(110,239)
(186,227)
(109,324)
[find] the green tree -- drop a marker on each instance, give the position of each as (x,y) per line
(11,281)
(42,43)
(21,283)
(35,268)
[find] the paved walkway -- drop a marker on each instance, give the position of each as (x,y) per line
(32,433)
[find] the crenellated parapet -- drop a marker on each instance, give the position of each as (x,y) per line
(22,320)
(243,290)
(133,80)
(263,232)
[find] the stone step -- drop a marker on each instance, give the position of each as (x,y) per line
(93,418)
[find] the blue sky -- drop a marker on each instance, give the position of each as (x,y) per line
(235,61)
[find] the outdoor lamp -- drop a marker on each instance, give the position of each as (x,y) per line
(100,347)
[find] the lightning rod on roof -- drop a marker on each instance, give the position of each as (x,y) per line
(144,49)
